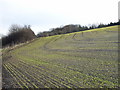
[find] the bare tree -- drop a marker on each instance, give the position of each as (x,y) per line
(18,34)
(14,28)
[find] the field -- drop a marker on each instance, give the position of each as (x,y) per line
(87,59)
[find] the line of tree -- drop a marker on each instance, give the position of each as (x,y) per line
(18,34)
(73,28)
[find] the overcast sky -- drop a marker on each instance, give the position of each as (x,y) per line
(45,14)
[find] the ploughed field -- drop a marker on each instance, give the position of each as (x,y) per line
(87,59)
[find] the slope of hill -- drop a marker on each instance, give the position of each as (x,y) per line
(87,59)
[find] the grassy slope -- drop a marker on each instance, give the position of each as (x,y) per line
(82,59)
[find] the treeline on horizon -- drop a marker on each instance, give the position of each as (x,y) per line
(73,28)
(18,34)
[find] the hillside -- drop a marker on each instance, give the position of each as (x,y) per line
(87,59)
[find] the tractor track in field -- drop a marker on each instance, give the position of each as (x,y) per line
(45,46)
(80,50)
(87,39)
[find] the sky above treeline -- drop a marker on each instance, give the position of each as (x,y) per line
(43,15)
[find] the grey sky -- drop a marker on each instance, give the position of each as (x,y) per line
(45,14)
(119,9)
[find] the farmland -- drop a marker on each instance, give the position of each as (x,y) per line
(87,59)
